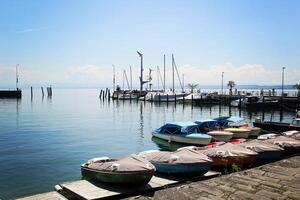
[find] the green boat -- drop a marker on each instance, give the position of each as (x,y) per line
(129,171)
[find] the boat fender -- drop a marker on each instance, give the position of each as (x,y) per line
(220,153)
(99,159)
(115,167)
(57,188)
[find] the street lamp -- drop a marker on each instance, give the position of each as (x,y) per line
(282,85)
(222,81)
(141,77)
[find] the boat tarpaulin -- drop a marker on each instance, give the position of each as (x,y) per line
(132,163)
(182,156)
(260,146)
(228,150)
(284,142)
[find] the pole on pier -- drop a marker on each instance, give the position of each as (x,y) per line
(42,91)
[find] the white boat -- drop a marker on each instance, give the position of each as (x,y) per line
(182,132)
(164,97)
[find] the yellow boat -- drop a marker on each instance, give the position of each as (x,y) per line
(239,132)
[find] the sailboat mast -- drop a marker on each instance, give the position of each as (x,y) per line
(173,73)
(182,82)
(17,77)
(158,77)
(164,72)
(130,78)
(114,78)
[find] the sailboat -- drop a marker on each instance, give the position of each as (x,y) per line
(170,96)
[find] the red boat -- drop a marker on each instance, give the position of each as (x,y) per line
(237,141)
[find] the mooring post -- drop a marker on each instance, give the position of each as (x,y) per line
(151,97)
(183,99)
(240,102)
(108,94)
(193,100)
(42,91)
(123,95)
(130,97)
(159,98)
(175,98)
(100,94)
(167,98)
(31,92)
(117,95)
(50,90)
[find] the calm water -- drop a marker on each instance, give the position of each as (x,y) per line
(44,141)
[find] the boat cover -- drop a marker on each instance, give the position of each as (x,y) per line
(181,156)
(284,142)
(228,150)
(132,163)
(290,133)
(267,136)
(260,146)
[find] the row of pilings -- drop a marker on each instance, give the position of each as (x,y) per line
(48,89)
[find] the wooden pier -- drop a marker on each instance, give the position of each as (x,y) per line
(16,94)
(87,190)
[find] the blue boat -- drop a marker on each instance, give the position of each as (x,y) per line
(207,125)
(183,161)
(229,120)
(182,132)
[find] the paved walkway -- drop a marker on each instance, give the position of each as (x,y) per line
(279,180)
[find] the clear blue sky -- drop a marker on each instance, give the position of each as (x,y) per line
(55,35)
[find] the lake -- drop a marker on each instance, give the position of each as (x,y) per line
(44,141)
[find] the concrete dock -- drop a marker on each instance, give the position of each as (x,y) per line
(278,180)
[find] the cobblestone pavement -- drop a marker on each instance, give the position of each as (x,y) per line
(278,180)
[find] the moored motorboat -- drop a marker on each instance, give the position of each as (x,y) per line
(182,132)
(237,141)
(266,151)
(182,161)
(278,127)
(214,144)
(267,136)
(229,154)
(290,145)
(131,170)
(238,132)
(220,135)
(207,125)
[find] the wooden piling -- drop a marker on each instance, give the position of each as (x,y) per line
(183,99)
(31,92)
(123,95)
(42,91)
(108,94)
(167,98)
(159,98)
(151,97)
(175,98)
(193,100)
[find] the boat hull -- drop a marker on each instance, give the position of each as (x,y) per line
(181,139)
(269,155)
(238,133)
(275,127)
(132,178)
(221,138)
(197,168)
(229,161)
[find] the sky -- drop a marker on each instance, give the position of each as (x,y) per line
(76,42)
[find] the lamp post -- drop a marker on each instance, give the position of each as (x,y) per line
(282,79)
(141,77)
(222,82)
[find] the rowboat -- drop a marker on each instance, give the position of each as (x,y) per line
(239,132)
(131,170)
(229,154)
(182,161)
(182,132)
(220,135)
(266,151)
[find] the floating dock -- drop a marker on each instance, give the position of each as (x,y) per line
(16,94)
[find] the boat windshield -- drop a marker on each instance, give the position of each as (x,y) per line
(191,129)
(296,122)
